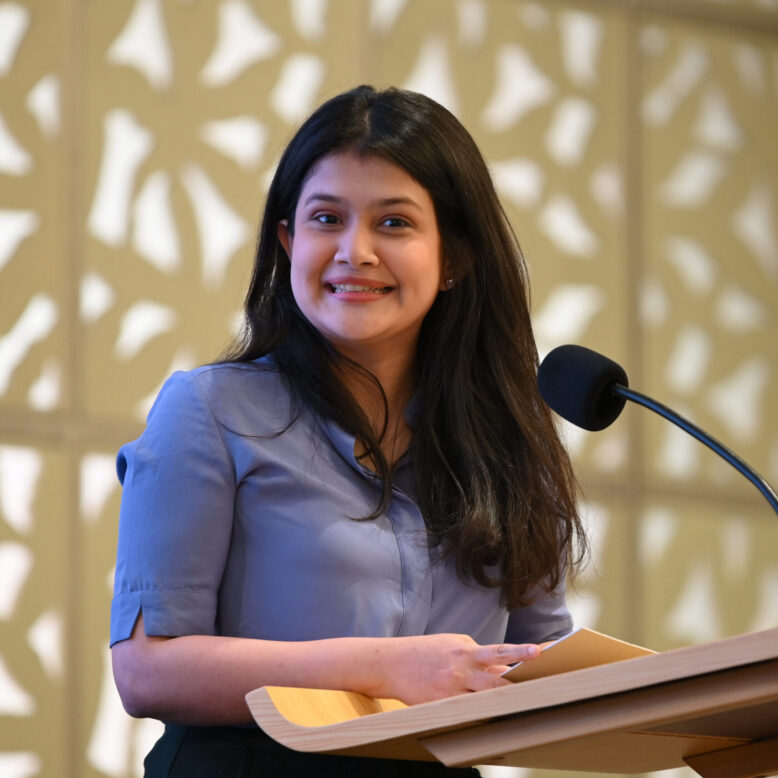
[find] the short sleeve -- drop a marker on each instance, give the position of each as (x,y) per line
(176,516)
(546,618)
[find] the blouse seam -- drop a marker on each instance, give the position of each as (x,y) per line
(206,401)
(402,572)
(220,425)
(204,590)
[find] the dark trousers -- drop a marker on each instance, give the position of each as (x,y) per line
(233,752)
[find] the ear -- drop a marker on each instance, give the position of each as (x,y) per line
(446,278)
(285,237)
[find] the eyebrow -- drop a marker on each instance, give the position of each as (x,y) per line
(386,201)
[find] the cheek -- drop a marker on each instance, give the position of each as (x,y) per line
(299,285)
(300,265)
(305,280)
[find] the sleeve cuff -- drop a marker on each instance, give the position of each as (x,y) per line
(168,613)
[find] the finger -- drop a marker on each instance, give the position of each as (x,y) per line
(483,679)
(505,653)
(498,669)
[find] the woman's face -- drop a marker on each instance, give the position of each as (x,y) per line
(365,256)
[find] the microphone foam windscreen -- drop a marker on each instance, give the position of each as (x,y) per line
(575,382)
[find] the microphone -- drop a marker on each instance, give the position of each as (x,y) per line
(590,391)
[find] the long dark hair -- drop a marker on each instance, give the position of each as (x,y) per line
(494,483)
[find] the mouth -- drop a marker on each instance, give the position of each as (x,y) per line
(358,288)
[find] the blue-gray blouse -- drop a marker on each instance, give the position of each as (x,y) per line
(238,518)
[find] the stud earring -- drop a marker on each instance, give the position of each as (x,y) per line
(449,283)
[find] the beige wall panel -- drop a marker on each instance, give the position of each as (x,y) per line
(766,7)
(708,572)
(35,575)
(602,596)
(710,114)
(34,288)
(109,742)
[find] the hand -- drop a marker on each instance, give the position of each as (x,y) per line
(431,667)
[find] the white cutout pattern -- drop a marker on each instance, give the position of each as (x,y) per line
(43,103)
(737,401)
(695,267)
(98,483)
(222,231)
(520,180)
(242,138)
(142,322)
(143,44)
(154,234)
(20,469)
(564,226)
(14,699)
(127,144)
(295,94)
(688,360)
(571,127)
(14,21)
(15,226)
(15,564)
(692,182)
(581,38)
(472,22)
(738,311)
(661,104)
(96,297)
(44,393)
(658,528)
(243,41)
(520,88)
(431,74)
(15,160)
(385,13)
(566,313)
(695,617)
(45,637)
(33,325)
(19,764)
(309,18)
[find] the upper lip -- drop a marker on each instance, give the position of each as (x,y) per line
(358,281)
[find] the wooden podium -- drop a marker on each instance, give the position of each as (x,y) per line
(713,707)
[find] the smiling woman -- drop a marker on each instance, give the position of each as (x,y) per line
(367,493)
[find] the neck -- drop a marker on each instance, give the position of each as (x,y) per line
(395,372)
(397,378)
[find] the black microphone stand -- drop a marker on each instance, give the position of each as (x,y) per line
(711,442)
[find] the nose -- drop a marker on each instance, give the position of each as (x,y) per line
(356,247)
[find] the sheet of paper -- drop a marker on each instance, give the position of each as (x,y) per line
(581,648)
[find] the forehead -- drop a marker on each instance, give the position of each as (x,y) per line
(347,172)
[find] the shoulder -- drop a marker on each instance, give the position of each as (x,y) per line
(224,380)
(203,413)
(249,398)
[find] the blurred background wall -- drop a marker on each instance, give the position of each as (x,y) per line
(635,147)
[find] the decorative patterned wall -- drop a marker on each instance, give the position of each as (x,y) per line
(634,147)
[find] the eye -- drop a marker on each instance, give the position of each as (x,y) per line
(326,218)
(395,222)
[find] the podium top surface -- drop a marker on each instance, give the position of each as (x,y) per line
(347,722)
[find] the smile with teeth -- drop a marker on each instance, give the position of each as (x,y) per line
(340,288)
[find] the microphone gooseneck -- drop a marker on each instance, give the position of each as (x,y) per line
(590,391)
